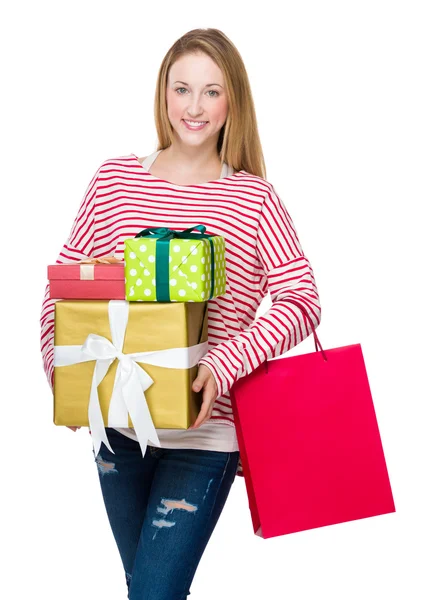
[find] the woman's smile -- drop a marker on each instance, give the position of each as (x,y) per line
(194,127)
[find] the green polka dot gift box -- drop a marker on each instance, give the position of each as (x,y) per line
(165,265)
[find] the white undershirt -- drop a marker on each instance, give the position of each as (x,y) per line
(227,171)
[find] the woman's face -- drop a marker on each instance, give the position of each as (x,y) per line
(190,96)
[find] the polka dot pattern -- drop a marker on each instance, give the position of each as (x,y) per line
(189,269)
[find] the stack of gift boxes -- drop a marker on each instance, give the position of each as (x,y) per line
(129,334)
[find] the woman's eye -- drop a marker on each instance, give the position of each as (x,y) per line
(214,92)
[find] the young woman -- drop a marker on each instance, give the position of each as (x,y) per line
(208,169)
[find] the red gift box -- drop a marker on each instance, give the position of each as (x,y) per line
(87,281)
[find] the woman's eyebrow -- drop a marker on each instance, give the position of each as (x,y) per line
(207,85)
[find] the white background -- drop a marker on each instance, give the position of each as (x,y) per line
(351,105)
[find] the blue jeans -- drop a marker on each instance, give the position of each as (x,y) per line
(162,509)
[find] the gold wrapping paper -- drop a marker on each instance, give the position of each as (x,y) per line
(151,326)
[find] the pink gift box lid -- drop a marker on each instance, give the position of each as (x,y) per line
(101,271)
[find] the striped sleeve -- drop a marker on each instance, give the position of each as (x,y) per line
(79,245)
(289,276)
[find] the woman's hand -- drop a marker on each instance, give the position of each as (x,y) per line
(72,428)
(205,379)
(103,260)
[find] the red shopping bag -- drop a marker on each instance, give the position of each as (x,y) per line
(309,442)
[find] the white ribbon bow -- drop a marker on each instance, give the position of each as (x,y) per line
(87,265)
(131,381)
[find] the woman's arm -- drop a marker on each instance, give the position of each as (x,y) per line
(283,326)
(79,245)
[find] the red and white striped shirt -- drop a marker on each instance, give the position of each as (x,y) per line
(262,252)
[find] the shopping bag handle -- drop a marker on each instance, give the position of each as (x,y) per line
(317,341)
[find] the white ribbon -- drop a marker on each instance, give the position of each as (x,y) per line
(131,381)
(87,265)
(87,272)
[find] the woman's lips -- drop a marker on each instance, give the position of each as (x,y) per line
(194,128)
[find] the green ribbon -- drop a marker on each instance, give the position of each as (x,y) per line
(164,236)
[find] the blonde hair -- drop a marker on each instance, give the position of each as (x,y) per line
(239,144)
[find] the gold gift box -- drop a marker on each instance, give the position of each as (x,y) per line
(151,326)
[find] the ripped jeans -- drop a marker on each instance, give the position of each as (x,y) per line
(162,509)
